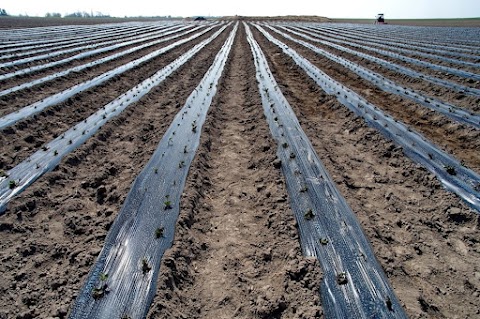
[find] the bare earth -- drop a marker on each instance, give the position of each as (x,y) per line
(236,252)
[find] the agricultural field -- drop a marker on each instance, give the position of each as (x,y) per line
(239,168)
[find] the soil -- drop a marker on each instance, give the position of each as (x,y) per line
(456,139)
(424,237)
(236,251)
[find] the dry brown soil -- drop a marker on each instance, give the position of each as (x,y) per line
(236,252)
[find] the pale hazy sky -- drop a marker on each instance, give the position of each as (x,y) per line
(399,9)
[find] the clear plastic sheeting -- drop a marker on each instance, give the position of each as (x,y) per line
(105,46)
(392,66)
(459,39)
(92,38)
(100,61)
(455,177)
(433,66)
(39,106)
(40,67)
(122,282)
(47,158)
(456,113)
(354,285)
(41,37)
(393,46)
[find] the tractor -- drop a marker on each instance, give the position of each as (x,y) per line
(380,19)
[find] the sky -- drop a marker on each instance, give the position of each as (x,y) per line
(393,9)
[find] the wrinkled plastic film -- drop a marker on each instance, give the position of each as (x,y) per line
(354,285)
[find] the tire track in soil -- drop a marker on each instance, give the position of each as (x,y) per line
(459,140)
(11,102)
(52,232)
(25,137)
(440,92)
(236,251)
(426,239)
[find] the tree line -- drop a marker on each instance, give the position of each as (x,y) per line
(3,13)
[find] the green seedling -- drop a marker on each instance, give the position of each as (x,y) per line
(155,170)
(285,145)
(44,148)
(304,189)
(323,241)
(389,303)
(167,203)
(70,141)
(99,292)
(159,232)
(450,170)
(292,155)
(309,214)
(12,184)
(103,276)
(55,153)
(185,151)
(342,278)
(145,266)
(181,164)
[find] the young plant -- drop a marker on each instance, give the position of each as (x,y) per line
(389,304)
(99,292)
(450,170)
(12,184)
(167,203)
(342,278)
(324,241)
(159,232)
(181,164)
(285,145)
(304,189)
(309,214)
(103,276)
(145,266)
(155,170)
(194,126)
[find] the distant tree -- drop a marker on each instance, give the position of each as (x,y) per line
(3,13)
(86,15)
(53,15)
